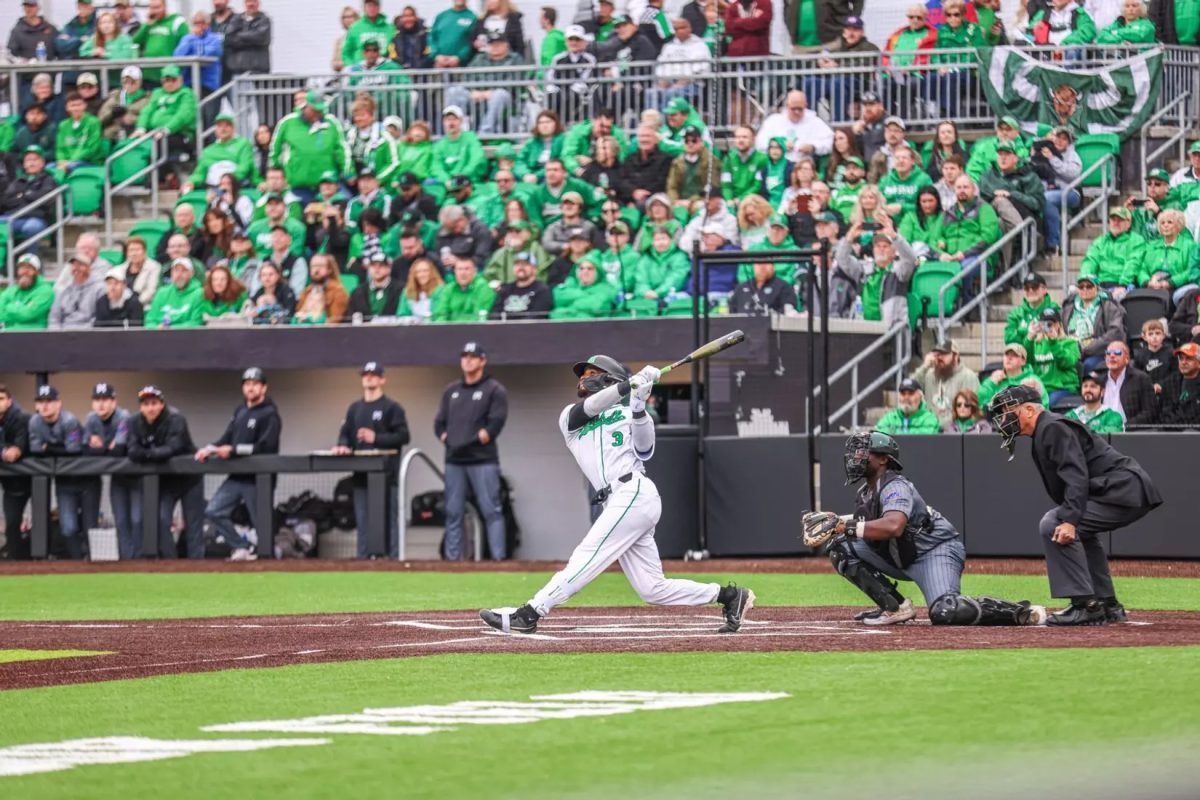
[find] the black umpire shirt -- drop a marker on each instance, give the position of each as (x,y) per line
(386,418)
(1077,465)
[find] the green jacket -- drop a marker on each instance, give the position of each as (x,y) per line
(1017,326)
(742,177)
(175,111)
(120,48)
(968,34)
(785,272)
(217,308)
(619,269)
(572,301)
(1022,184)
(259,234)
(235,155)
(461,156)
(776,177)
(159,40)
(27,309)
(1104,420)
(500,265)
(578,142)
(1108,257)
(904,190)
(547,204)
(672,138)
(364,30)
(923,421)
(988,388)
(452,303)
(930,232)
(534,155)
(416,158)
(382,82)
(983,155)
(177,308)
(1056,363)
(969,230)
(1178,260)
(1139,31)
(1083,33)
(306,151)
(662,273)
(82,141)
(554,43)
(450,34)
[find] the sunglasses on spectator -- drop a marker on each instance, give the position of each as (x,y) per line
(953,14)
(1114,352)
(962,404)
(916,16)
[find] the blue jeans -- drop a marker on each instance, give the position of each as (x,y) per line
(305,194)
(484,480)
(970,282)
(219,512)
(75,511)
(391,515)
(1057,395)
(125,497)
(838,89)
(27,227)
(1054,214)
(1092,363)
(947,90)
(495,114)
(188,492)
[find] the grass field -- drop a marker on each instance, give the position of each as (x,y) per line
(932,724)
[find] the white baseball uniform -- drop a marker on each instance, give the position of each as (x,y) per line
(604,449)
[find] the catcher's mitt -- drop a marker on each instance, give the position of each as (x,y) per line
(820,527)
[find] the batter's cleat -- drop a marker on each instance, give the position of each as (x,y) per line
(1114,612)
(870,613)
(902,614)
(737,601)
(1091,614)
(1030,614)
(522,620)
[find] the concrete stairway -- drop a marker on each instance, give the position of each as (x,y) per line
(128,209)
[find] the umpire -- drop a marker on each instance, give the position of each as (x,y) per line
(1097,490)
(469,418)
(377,422)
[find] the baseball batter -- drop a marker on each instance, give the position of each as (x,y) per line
(611,437)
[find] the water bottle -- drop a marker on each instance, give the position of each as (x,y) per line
(858,307)
(39,54)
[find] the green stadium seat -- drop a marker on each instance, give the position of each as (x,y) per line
(640,307)
(87,190)
(927,282)
(349,282)
(112,255)
(1092,147)
(130,162)
(152,230)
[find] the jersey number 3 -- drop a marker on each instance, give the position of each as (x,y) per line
(618,439)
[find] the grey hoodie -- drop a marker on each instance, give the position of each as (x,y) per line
(75,305)
(64,437)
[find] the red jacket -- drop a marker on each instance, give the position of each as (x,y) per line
(749,36)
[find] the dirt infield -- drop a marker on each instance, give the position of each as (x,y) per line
(162,647)
(1123,568)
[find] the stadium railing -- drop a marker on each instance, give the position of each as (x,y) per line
(411,455)
(900,338)
(61,198)
(1176,106)
(158,157)
(1098,202)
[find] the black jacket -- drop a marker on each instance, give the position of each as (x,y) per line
(1077,465)
(285,298)
(535,301)
(637,172)
(129,315)
(200,248)
(14,432)
(625,51)
(410,48)
(693,12)
(477,234)
(749,298)
(464,411)
(1185,317)
(513,31)
(253,431)
(25,190)
(384,416)
(402,265)
(360,301)
(1137,398)
(23,41)
(248,44)
(166,438)
(1157,366)
(423,205)
(1180,401)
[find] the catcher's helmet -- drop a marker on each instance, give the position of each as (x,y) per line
(611,371)
(859,445)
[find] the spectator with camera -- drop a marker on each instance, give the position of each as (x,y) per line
(884,278)
(1055,161)
(1055,356)
(1181,390)
(1092,412)
(1109,256)
(1094,319)
(1023,319)
(1159,196)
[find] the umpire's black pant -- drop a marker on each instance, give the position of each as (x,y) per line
(1080,569)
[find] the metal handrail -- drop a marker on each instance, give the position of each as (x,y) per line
(402,523)
(156,160)
(899,333)
(1178,138)
(1067,223)
(1027,224)
(102,67)
(61,193)
(216,96)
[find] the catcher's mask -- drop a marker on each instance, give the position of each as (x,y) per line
(611,372)
(1002,411)
(860,445)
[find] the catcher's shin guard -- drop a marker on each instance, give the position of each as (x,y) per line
(956,609)
(874,584)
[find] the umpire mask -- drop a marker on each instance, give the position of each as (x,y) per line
(860,445)
(1003,413)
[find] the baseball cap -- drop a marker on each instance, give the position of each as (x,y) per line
(1062,130)
(184,262)
(894,120)
(329,176)
(909,385)
(457,183)
(854,22)
(409,179)
(80,258)
(715,228)
(881,237)
(1120,212)
(518,225)
(1006,147)
(378,257)
(254,374)
(474,349)
(273,196)
(526,256)
(103,390)
(373,368)
(1085,279)
(87,78)
(31,260)
(1033,280)
(856,161)
(868,98)
(34,148)
(677,106)
(1050,315)
(576,32)
(226,116)
(945,346)
(171,71)
(463,248)
(372,44)
(453,111)
(313,98)
(365,171)
(778,220)
(1191,350)
(282,228)
(1159,174)
(1099,377)
(496,36)
(619,227)
(132,72)
(1008,120)
(572,197)
(46,392)
(825,216)
(578,232)
(1019,349)
(1195,148)
(393,121)
(622,19)
(149,392)
(691,130)
(115,274)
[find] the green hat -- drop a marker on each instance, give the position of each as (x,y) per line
(1120,212)
(226,116)
(505,150)
(314,99)
(1159,174)
(33,148)
(171,71)
(691,130)
(1006,147)
(1010,122)
(856,161)
(678,106)
(1195,148)
(825,216)
(328,176)
(518,225)
(273,196)
(778,219)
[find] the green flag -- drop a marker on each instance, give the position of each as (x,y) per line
(1115,98)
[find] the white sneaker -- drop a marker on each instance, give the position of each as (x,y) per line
(242,554)
(903,614)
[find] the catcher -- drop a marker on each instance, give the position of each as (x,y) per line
(892,532)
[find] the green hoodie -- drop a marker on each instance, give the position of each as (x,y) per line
(461,156)
(742,177)
(451,34)
(535,154)
(555,42)
(80,141)
(578,142)
(776,174)
(922,421)
(1178,260)
(1017,326)
(904,190)
(235,155)
(452,303)
(1108,257)
(177,308)
(572,301)
(1139,31)
(672,138)
(931,232)
(988,388)
(364,30)
(1104,420)
(307,151)
(983,155)
(662,273)
(1056,363)
(619,269)
(175,111)
(159,40)
(27,309)
(414,157)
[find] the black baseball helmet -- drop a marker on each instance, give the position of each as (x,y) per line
(1002,411)
(860,445)
(611,371)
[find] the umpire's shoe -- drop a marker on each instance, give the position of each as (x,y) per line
(523,620)
(737,601)
(1090,614)
(1114,611)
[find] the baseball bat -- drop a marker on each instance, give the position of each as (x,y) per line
(711,349)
